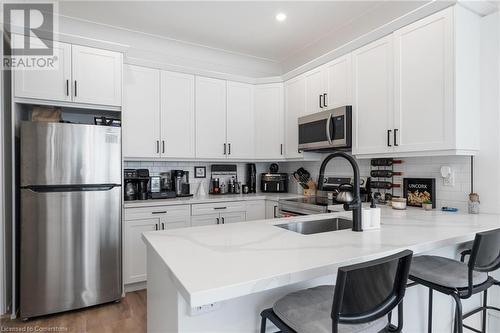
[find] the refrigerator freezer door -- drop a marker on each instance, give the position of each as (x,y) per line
(63,154)
(70,250)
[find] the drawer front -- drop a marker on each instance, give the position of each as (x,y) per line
(147,212)
(220,207)
(210,219)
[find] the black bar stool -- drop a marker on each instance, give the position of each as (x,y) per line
(461,280)
(363,298)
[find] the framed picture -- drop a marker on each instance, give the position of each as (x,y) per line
(419,190)
(200,172)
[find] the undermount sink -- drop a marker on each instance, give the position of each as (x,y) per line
(316,227)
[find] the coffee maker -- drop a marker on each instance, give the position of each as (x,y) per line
(180,183)
(136,184)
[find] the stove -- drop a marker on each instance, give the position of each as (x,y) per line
(319,204)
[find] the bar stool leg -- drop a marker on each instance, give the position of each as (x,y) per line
(458,327)
(429,320)
(263,325)
(485,310)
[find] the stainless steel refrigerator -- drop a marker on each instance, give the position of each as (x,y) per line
(70,250)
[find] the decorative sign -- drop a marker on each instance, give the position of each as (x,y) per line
(419,190)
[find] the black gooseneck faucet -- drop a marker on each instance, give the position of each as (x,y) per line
(356,204)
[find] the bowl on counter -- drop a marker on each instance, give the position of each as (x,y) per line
(398,203)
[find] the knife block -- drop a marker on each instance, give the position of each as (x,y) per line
(311,191)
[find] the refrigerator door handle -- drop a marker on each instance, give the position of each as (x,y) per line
(70,188)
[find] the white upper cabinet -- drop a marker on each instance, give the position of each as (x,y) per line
(177,115)
(240,120)
(424,84)
(295,104)
(53,84)
(425,100)
(269,121)
(141,112)
(97,76)
(339,76)
(373,97)
(210,118)
(84,75)
(316,90)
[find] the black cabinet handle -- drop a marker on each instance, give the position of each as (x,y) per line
(157,146)
(162,212)
(320,104)
(75,88)
(225,149)
(156,226)
(162,226)
(281,149)
(163,146)
(396,137)
(274,211)
(229,148)
(223,220)
(324,100)
(218,208)
(67,87)
(389,138)
(218,221)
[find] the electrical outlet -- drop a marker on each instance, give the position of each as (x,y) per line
(450,180)
(197,310)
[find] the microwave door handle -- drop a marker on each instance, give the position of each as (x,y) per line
(328,136)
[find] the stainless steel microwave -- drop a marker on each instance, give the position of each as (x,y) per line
(330,129)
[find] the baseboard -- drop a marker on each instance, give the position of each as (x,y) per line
(135,286)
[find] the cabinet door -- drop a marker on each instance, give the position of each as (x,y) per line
(141,112)
(210,118)
(54,84)
(177,115)
(316,86)
(240,120)
(233,217)
(271,209)
(134,249)
(424,118)
(209,219)
(295,104)
(269,121)
(256,210)
(97,76)
(373,97)
(339,74)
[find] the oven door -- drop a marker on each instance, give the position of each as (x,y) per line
(327,129)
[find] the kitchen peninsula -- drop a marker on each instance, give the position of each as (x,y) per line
(218,278)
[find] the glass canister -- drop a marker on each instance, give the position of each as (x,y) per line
(474,203)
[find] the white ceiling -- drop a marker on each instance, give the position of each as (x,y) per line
(247,28)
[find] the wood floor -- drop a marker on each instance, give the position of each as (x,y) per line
(129,315)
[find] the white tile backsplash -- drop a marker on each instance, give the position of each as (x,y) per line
(156,167)
(427,167)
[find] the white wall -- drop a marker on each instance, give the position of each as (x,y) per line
(487,166)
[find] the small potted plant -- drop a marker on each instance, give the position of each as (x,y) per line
(427,205)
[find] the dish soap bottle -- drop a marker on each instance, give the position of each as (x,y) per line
(474,203)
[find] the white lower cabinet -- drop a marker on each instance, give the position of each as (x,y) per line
(218,213)
(139,220)
(256,210)
(271,209)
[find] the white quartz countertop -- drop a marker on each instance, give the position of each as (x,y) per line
(220,262)
(208,199)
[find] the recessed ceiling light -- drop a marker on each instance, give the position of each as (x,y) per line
(280,17)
